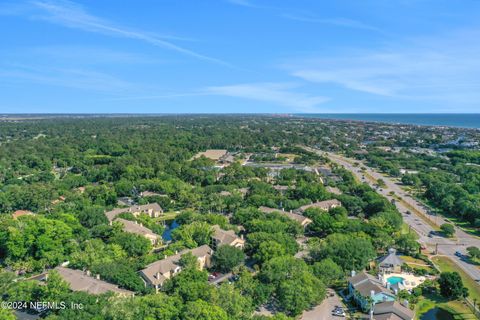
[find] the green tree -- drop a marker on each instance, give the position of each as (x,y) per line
(92,216)
(348,251)
(135,245)
(194,234)
(231,300)
(296,288)
(191,285)
(474,252)
(407,243)
(202,310)
(159,306)
(327,271)
(268,250)
(6,314)
(447,229)
(451,285)
(188,260)
(227,257)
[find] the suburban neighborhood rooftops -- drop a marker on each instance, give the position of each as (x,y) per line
(79,281)
(152,194)
(324,205)
(155,207)
(213,154)
(268,209)
(224,236)
(20,213)
(154,271)
(365,283)
(391,259)
(392,310)
(386,316)
(294,216)
(133,227)
(334,190)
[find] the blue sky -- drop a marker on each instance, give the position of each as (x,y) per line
(290,56)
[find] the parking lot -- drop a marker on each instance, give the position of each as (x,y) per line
(324,310)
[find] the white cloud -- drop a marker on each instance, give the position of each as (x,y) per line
(64,77)
(439,68)
(276,93)
(244,3)
(84,55)
(339,22)
(72,15)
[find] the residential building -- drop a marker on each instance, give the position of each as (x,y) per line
(323,205)
(152,209)
(390,263)
(222,237)
(82,281)
(367,290)
(304,221)
(334,190)
(152,194)
(138,228)
(392,310)
(283,189)
(213,154)
(156,273)
(20,213)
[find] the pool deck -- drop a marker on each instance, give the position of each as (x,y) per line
(410,280)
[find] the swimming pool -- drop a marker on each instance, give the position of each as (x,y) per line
(395,280)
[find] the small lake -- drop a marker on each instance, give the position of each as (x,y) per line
(167,234)
(437,314)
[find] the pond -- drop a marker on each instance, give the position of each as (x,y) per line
(437,314)
(167,234)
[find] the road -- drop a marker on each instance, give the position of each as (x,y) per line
(420,220)
(324,310)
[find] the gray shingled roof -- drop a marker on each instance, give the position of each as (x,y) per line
(141,208)
(132,227)
(391,259)
(393,307)
(366,283)
(291,215)
(170,263)
(79,281)
(224,236)
(324,205)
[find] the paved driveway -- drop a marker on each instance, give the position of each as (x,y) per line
(324,310)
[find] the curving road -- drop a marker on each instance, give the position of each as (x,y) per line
(419,219)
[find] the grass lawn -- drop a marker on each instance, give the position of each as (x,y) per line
(447,265)
(167,216)
(416,263)
(465,226)
(406,229)
(457,308)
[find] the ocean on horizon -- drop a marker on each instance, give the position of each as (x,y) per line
(461,120)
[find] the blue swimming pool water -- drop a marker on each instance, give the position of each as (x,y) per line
(395,280)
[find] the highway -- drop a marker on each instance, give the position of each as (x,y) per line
(419,219)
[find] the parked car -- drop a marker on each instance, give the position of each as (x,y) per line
(458,254)
(339,312)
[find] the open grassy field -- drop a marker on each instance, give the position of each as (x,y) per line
(447,265)
(465,226)
(406,229)
(166,216)
(416,263)
(458,309)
